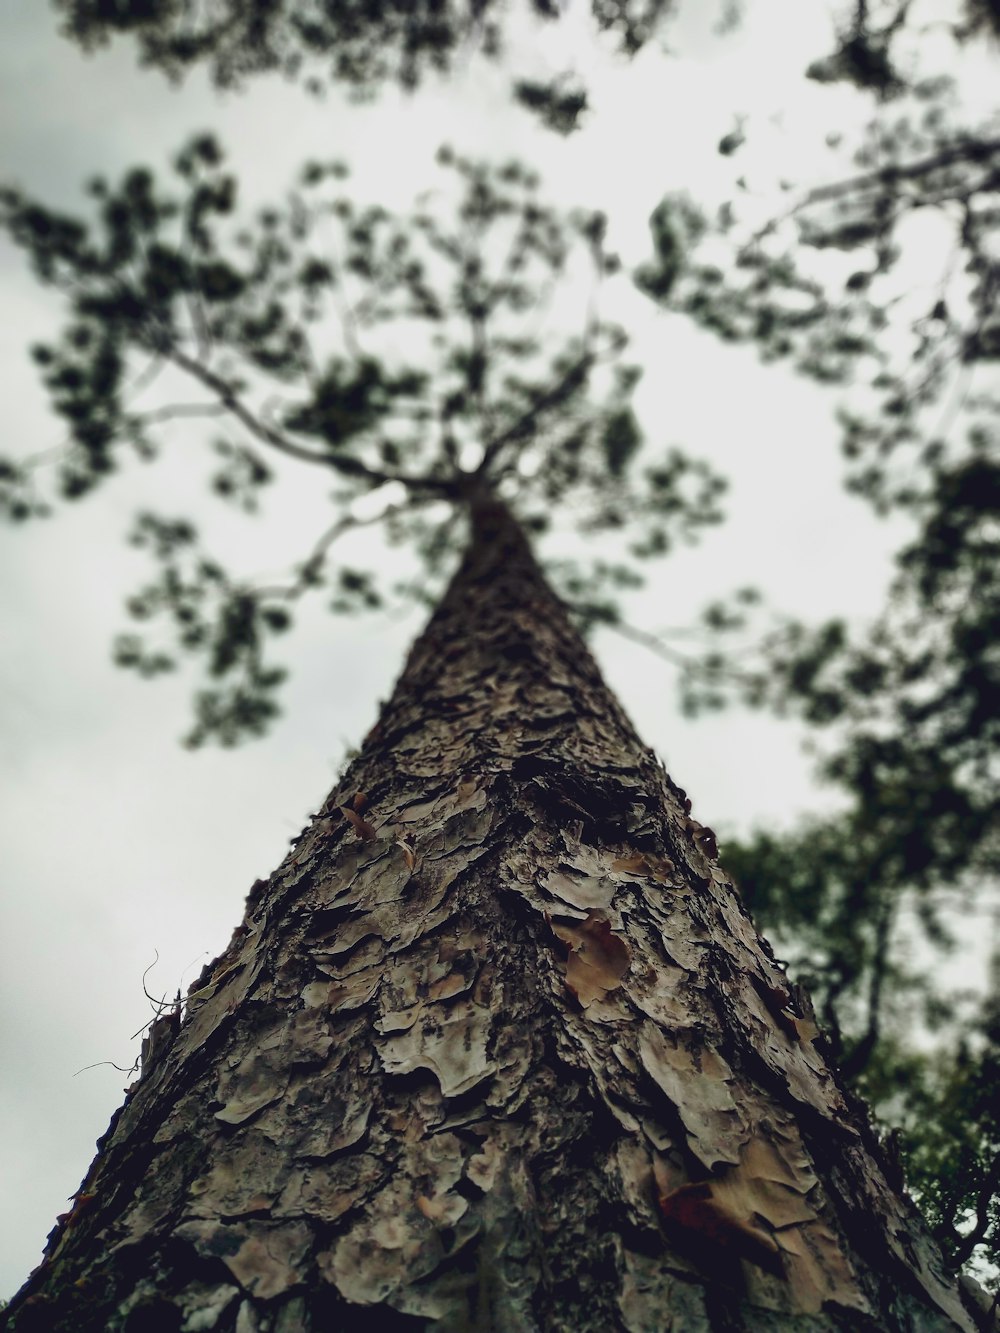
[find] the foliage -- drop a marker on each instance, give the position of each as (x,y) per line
(363,44)
(288,327)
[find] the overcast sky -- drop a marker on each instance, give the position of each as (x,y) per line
(116,843)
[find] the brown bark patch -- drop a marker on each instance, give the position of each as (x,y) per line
(597,959)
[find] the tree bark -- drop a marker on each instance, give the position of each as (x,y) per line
(496,1048)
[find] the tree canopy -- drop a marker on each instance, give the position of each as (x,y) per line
(154,282)
(404,358)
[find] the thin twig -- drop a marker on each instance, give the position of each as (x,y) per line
(311,566)
(656,645)
(181,410)
(122,1069)
(560,390)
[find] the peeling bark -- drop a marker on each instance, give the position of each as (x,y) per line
(496,1048)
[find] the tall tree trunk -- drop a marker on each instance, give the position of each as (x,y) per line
(496,1048)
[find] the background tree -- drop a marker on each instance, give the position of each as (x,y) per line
(911,702)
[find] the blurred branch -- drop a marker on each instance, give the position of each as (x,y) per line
(656,645)
(525,424)
(181,410)
(861,1052)
(346,464)
(962,150)
(966,1244)
(310,569)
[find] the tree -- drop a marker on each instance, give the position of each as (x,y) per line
(498,1037)
(496,1047)
(234,641)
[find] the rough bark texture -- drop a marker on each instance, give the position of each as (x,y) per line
(496,1048)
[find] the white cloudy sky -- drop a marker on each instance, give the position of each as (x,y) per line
(116,843)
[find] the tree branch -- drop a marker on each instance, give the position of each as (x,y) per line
(526,422)
(973,150)
(656,645)
(180,410)
(346,465)
(861,1053)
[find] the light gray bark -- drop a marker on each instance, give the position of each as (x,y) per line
(496,1048)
